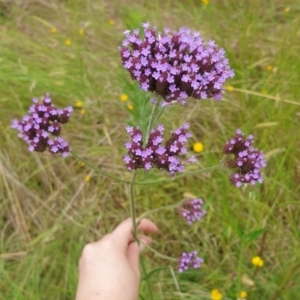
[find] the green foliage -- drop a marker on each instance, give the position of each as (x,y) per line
(48,211)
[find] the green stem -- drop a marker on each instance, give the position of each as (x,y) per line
(159,254)
(132,207)
(176,282)
(144,275)
(132,202)
(96,169)
(149,212)
(152,119)
(159,115)
(179,176)
(240,261)
(197,171)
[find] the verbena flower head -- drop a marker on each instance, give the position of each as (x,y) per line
(155,154)
(189,260)
(191,210)
(247,160)
(42,121)
(175,65)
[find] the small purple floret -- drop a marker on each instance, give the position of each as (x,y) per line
(42,120)
(175,65)
(154,154)
(247,160)
(191,210)
(189,260)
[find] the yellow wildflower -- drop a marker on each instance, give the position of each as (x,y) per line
(198,147)
(264,91)
(215,295)
(81,164)
(257,261)
(287,9)
(53,30)
(82,111)
(269,68)
(111,22)
(243,295)
(87,178)
(229,88)
(78,104)
(205,2)
(123,97)
(130,106)
(68,42)
(81,31)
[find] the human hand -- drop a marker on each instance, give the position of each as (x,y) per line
(109,268)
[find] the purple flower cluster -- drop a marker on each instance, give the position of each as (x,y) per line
(191,210)
(189,260)
(247,160)
(154,154)
(42,120)
(175,65)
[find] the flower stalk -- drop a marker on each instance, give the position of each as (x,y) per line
(132,207)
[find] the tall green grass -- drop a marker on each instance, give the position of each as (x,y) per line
(48,211)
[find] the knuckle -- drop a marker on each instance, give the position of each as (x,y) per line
(88,250)
(87,255)
(88,247)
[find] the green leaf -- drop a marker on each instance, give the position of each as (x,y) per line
(240,231)
(153,272)
(251,236)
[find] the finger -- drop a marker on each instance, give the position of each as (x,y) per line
(123,233)
(134,250)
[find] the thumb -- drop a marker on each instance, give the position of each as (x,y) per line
(134,250)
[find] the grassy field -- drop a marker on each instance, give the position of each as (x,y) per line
(50,206)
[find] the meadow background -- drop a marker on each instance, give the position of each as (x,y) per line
(50,206)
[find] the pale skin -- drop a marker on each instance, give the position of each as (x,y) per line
(109,268)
